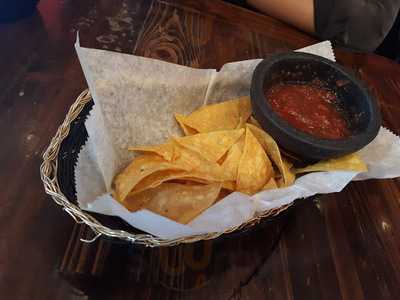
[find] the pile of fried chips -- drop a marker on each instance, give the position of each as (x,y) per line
(223,150)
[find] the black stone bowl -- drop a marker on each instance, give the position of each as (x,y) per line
(359,108)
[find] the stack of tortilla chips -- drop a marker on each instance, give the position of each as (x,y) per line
(223,150)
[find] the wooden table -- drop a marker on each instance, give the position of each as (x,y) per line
(345,245)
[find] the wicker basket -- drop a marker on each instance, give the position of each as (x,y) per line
(57,174)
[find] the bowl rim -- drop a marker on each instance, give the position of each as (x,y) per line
(258,99)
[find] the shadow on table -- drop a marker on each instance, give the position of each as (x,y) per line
(119,270)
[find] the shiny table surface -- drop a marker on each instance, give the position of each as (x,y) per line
(344,245)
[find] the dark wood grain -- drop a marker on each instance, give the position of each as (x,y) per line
(341,246)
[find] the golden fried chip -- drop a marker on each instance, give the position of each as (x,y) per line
(186,129)
(231,162)
(222,116)
(187,179)
(182,158)
(280,183)
(272,149)
(198,167)
(288,175)
(132,202)
(229,185)
(255,169)
(288,163)
(350,162)
(179,202)
(166,150)
(241,124)
(270,185)
(212,145)
(156,179)
(254,122)
(138,169)
(207,174)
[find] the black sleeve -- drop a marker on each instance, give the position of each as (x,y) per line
(359,24)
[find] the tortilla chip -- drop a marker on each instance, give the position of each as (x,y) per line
(288,163)
(229,185)
(178,202)
(156,179)
(272,149)
(212,145)
(242,123)
(198,167)
(255,169)
(188,180)
(279,182)
(288,175)
(135,202)
(270,185)
(186,129)
(222,116)
(350,162)
(222,159)
(138,169)
(231,162)
(166,150)
(254,122)
(181,158)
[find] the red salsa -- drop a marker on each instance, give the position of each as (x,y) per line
(308,108)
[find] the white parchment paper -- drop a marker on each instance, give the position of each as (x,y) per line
(135,101)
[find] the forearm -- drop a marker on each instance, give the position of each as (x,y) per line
(299,13)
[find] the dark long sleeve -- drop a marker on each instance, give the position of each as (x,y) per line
(359,24)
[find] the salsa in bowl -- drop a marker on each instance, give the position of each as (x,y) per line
(313,107)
